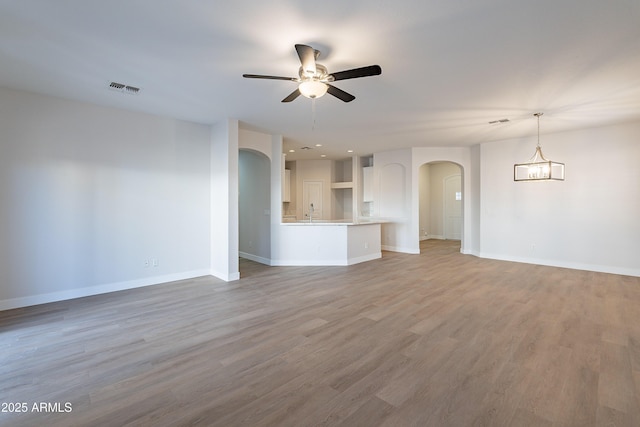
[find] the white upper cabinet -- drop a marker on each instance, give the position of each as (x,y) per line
(367,184)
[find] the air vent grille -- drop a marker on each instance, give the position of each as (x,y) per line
(132,90)
(120,87)
(498,121)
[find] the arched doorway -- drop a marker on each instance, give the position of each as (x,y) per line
(254,206)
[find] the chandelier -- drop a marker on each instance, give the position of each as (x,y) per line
(538,168)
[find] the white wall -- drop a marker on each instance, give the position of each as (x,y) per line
(589,221)
(256,141)
(472,197)
(327,244)
(277,176)
(424,200)
(88,193)
(224,200)
(392,188)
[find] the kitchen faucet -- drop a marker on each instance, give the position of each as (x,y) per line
(311,210)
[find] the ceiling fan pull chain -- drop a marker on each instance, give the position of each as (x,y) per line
(313,114)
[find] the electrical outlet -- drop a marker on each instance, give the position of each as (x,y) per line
(154,262)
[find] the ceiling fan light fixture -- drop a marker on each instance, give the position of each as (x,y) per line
(314,80)
(313,89)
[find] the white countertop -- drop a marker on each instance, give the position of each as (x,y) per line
(326,222)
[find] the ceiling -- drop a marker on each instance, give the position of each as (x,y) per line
(449,67)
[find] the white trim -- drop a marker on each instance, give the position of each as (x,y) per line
(256,258)
(97,290)
(230,277)
(469,252)
(307,263)
(399,249)
(327,262)
(364,258)
(572,265)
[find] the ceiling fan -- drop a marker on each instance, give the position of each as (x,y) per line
(314,80)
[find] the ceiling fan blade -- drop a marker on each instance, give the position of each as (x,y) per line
(371,70)
(260,76)
(293,95)
(307,56)
(340,94)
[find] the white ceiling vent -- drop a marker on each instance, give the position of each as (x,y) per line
(120,87)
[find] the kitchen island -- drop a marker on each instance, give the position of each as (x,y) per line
(338,242)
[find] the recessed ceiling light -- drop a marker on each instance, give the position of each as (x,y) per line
(349,151)
(292,151)
(323,155)
(318,145)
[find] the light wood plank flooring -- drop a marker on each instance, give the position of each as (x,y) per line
(437,339)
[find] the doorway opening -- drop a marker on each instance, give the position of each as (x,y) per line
(254,207)
(440,203)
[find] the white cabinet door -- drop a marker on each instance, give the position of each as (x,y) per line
(367,184)
(286,186)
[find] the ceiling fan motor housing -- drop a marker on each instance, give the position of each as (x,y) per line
(319,75)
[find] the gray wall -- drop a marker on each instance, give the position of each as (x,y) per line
(254,206)
(89,195)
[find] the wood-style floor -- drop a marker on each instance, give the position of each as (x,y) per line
(437,339)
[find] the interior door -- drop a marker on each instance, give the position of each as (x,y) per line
(312,194)
(453,208)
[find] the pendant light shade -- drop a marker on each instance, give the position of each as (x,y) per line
(538,168)
(313,89)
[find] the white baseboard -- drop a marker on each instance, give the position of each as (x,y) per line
(99,289)
(364,258)
(470,252)
(327,262)
(562,264)
(400,249)
(227,277)
(256,258)
(307,263)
